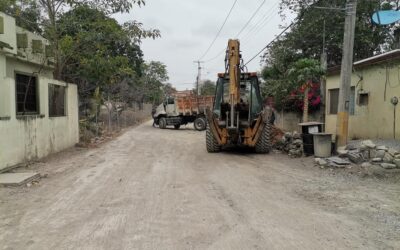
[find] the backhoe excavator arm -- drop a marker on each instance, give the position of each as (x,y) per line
(234,78)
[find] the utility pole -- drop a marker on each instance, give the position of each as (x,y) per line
(198,78)
(324,65)
(342,126)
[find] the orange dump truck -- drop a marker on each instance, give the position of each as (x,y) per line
(182,108)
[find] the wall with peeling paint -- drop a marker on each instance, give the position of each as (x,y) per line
(24,138)
(375,119)
(27,138)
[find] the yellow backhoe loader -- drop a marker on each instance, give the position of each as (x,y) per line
(238,117)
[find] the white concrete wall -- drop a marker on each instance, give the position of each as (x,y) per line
(9,35)
(23,54)
(32,137)
(26,54)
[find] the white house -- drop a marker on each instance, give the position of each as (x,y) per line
(38,115)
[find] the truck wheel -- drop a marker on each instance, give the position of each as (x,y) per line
(200,124)
(162,123)
(263,144)
(212,145)
(177,126)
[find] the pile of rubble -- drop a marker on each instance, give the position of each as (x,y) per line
(366,153)
(291,143)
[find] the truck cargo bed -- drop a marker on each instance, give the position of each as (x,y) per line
(192,105)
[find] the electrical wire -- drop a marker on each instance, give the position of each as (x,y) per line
(215,57)
(219,31)
(269,44)
(251,18)
(243,28)
(280,34)
(294,22)
(262,21)
(249,37)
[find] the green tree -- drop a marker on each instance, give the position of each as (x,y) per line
(52,10)
(106,54)
(305,40)
(303,73)
(168,89)
(26,13)
(207,88)
(155,74)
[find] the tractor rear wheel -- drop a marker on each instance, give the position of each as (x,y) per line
(263,144)
(162,123)
(212,144)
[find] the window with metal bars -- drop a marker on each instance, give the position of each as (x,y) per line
(26,94)
(56,100)
(334,99)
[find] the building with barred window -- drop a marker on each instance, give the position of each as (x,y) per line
(38,114)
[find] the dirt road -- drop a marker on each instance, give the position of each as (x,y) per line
(159,189)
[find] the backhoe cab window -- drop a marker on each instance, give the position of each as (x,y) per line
(221,95)
(249,95)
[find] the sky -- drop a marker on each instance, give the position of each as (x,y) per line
(189,26)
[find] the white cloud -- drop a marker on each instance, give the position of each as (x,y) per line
(188,26)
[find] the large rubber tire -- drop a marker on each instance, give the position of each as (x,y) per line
(162,123)
(212,145)
(263,144)
(177,126)
(200,124)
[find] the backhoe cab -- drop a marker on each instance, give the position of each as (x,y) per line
(237,117)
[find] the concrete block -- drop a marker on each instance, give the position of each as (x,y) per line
(342,152)
(355,158)
(17,179)
(377,159)
(377,153)
(321,162)
(348,147)
(388,158)
(382,148)
(368,144)
(338,161)
(388,165)
(393,152)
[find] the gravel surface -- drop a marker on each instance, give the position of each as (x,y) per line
(160,189)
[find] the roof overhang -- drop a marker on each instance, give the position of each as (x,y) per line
(378,59)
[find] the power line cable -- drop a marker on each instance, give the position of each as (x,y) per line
(219,31)
(215,57)
(251,18)
(262,20)
(269,44)
(257,30)
(293,23)
(243,28)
